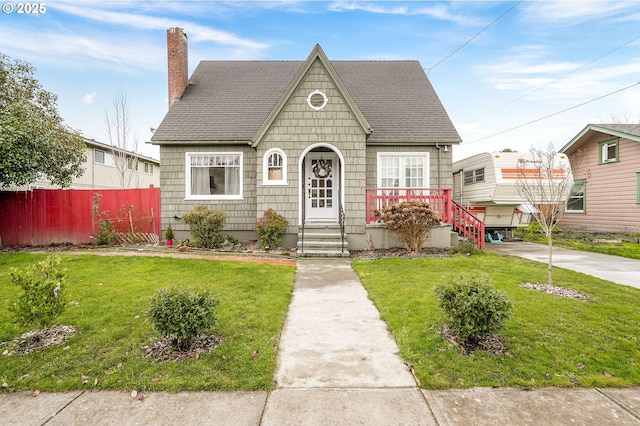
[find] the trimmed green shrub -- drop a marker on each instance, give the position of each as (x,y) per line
(411,221)
(472,307)
(183,313)
(270,229)
(43,298)
(168,234)
(206,226)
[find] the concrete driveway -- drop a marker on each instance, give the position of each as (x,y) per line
(619,270)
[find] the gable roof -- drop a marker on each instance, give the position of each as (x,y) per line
(232,101)
(627,131)
(317,54)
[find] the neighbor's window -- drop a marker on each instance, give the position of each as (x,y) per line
(103,157)
(132,163)
(410,170)
(213,176)
(577,200)
(609,151)
(472,176)
(274,167)
(638,188)
(148,168)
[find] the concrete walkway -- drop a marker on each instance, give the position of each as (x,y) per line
(338,365)
(611,268)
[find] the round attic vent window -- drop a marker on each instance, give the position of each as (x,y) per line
(317,100)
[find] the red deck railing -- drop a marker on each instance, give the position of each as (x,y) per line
(462,221)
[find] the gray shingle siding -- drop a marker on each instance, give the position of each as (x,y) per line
(229,104)
(241,213)
(296,128)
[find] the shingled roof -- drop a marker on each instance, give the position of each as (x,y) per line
(629,131)
(228,101)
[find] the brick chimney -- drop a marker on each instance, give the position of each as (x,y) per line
(177,56)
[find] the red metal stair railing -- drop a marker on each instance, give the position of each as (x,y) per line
(462,220)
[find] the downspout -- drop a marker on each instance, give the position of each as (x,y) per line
(439,165)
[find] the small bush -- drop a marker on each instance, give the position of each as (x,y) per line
(168,234)
(206,226)
(411,221)
(465,246)
(183,313)
(107,234)
(270,229)
(43,298)
(472,307)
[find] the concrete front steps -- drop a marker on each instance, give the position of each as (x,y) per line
(322,240)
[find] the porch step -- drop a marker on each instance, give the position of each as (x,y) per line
(322,240)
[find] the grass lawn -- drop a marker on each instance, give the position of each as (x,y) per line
(552,340)
(109,300)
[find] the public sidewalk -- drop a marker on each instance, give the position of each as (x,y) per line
(338,365)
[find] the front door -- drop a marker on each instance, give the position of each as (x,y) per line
(321,186)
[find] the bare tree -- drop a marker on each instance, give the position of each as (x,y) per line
(545,181)
(124,144)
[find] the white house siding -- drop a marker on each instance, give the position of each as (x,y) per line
(299,127)
(612,188)
(102,176)
(241,213)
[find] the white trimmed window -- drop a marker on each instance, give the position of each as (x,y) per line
(213,176)
(104,157)
(403,170)
(148,168)
(132,163)
(274,167)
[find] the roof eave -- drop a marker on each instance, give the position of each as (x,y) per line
(200,142)
(600,129)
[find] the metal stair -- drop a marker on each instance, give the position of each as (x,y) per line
(322,240)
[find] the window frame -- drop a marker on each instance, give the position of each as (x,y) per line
(106,154)
(638,188)
(403,156)
(265,167)
(148,168)
(603,148)
(475,176)
(202,197)
(132,163)
(576,182)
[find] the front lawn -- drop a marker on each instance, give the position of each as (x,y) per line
(552,340)
(109,300)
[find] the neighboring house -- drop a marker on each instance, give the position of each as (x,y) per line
(310,139)
(605,159)
(109,168)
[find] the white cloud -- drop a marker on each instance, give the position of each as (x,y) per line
(68,48)
(437,11)
(89,98)
(573,12)
(196,32)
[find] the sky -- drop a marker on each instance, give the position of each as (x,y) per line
(511,74)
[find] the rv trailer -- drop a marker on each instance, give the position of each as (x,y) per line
(486,184)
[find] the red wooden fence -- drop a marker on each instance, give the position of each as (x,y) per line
(57,216)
